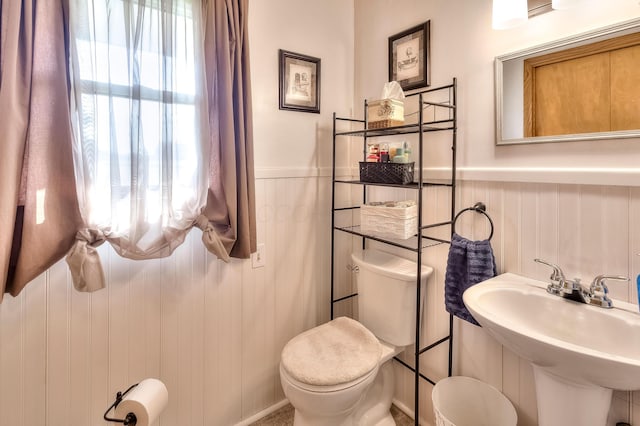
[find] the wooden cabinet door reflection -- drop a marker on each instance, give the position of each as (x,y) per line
(588,89)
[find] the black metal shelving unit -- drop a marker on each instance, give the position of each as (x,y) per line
(441,117)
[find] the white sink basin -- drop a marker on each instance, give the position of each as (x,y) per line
(576,346)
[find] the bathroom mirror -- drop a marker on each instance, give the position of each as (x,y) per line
(514,94)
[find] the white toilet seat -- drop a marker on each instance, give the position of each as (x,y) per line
(336,355)
(323,388)
(323,397)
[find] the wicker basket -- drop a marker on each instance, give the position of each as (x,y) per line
(383,124)
(385,113)
(389,220)
(394,173)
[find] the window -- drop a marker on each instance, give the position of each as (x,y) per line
(142,126)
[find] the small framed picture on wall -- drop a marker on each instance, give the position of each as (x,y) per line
(409,62)
(299,82)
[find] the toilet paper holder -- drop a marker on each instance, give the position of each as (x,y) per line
(130,419)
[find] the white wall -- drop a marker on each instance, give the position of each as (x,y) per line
(289,143)
(463,45)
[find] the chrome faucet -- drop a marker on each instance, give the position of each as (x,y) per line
(560,286)
(596,294)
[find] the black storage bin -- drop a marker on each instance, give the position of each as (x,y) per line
(394,173)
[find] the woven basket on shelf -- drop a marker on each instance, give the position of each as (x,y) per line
(389,221)
(394,173)
(383,124)
(385,113)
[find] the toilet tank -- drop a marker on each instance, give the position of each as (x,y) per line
(387,295)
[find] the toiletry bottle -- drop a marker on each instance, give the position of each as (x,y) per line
(407,152)
(384,153)
(638,289)
(373,156)
(638,286)
(399,157)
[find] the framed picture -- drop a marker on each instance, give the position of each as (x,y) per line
(409,57)
(299,82)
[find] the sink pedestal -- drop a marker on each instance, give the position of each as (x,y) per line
(564,402)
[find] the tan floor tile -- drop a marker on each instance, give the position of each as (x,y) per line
(284,417)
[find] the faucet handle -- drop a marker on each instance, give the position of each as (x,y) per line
(598,283)
(557,274)
(598,290)
(558,282)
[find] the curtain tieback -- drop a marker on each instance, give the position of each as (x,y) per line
(211,239)
(84,261)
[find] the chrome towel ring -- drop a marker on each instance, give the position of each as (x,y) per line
(477,207)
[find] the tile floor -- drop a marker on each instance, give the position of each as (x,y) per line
(284,417)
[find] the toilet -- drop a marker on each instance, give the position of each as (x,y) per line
(340,373)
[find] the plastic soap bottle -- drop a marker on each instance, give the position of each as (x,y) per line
(407,151)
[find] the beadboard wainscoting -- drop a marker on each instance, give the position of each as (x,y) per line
(588,230)
(213,332)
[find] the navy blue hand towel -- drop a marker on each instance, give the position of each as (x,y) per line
(469,263)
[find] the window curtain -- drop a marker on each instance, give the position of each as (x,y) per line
(38,212)
(231,197)
(161,145)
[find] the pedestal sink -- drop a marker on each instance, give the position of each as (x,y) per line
(580,353)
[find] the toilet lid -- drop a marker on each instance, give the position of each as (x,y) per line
(339,351)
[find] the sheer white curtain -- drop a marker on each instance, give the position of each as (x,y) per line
(141,130)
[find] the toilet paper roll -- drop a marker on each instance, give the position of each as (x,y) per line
(146,401)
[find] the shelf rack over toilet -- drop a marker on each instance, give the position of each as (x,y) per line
(427,122)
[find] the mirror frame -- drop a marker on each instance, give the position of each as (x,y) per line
(580,39)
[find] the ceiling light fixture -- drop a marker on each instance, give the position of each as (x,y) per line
(564,4)
(509,13)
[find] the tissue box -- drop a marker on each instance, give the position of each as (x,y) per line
(390,219)
(385,113)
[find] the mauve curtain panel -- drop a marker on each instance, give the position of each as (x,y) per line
(231,201)
(38,209)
